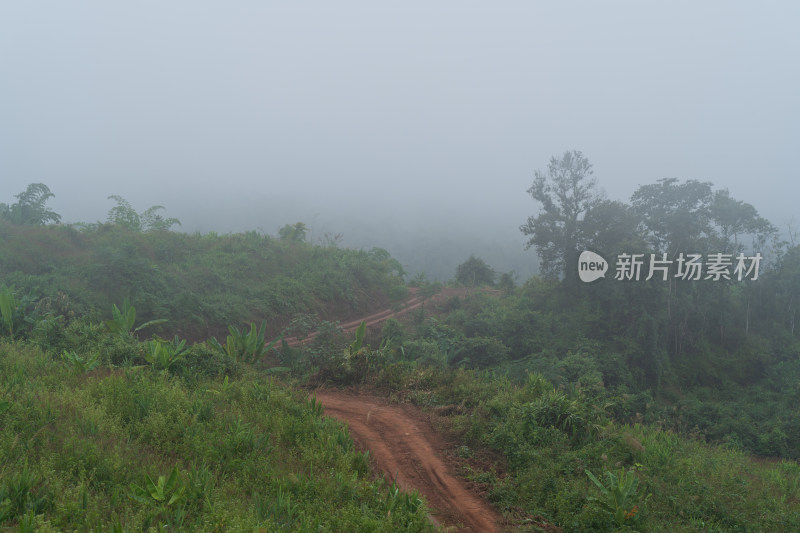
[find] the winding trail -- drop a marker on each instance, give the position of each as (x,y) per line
(414,301)
(403,444)
(406,448)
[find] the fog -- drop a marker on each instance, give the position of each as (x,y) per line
(406,126)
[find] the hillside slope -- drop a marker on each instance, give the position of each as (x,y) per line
(201,283)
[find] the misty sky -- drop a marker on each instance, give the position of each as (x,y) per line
(251,114)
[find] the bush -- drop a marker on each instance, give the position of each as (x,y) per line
(203,362)
(393,330)
(480,352)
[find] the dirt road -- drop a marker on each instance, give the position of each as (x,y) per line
(404,446)
(402,442)
(414,301)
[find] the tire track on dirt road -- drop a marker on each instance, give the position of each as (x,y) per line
(405,447)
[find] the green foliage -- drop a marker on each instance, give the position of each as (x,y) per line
(81,363)
(393,330)
(202,362)
(636,345)
(398,500)
(162,355)
(16,313)
(475,272)
(30,208)
(358,360)
(8,308)
(293,232)
(690,217)
(676,214)
(224,388)
(123,215)
(480,352)
(734,218)
(506,282)
(246,346)
(418,280)
(619,496)
(344,366)
(22,493)
(153,221)
(158,492)
(787,478)
(566,193)
(429,289)
(330,359)
(570,414)
(358,342)
(612,227)
(302,325)
(122,321)
(79,454)
(201,283)
(548,438)
(280,509)
(383,256)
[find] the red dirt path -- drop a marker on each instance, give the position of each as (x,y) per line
(402,442)
(404,446)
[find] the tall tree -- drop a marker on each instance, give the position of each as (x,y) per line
(734,219)
(611,227)
(567,192)
(677,215)
(690,217)
(31,208)
(474,272)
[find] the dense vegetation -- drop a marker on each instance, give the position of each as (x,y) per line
(620,404)
(633,377)
(208,446)
(537,432)
(200,283)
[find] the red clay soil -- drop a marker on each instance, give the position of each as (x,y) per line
(405,447)
(403,444)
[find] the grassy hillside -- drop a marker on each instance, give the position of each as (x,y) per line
(200,283)
(104,431)
(571,410)
(96,450)
(532,447)
(535,432)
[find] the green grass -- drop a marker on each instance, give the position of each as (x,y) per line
(545,449)
(250,454)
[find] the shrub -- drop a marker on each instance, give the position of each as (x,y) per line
(480,352)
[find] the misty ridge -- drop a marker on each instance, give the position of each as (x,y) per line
(574,213)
